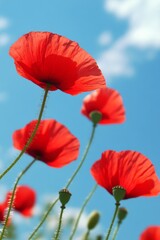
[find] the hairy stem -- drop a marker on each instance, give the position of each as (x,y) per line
(59,224)
(43,219)
(81,211)
(83,157)
(68,184)
(113,219)
(11,200)
(31,137)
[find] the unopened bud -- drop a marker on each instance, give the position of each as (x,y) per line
(93,220)
(122,213)
(99,237)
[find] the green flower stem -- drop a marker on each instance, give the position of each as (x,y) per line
(31,137)
(12,198)
(59,224)
(113,219)
(83,157)
(43,219)
(81,211)
(86,235)
(116,230)
(68,184)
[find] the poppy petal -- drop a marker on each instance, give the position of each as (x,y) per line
(24,200)
(53,144)
(47,58)
(128,169)
(151,233)
(108,102)
(2,212)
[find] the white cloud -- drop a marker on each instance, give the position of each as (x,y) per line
(70,213)
(123,8)
(73,213)
(105,38)
(37,210)
(4,23)
(4,39)
(20,219)
(142,34)
(69,216)
(115,61)
(48,198)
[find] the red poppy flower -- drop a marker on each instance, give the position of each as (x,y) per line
(151,233)
(129,169)
(53,144)
(47,58)
(24,200)
(2,212)
(106,101)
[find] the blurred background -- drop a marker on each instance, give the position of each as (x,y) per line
(124,37)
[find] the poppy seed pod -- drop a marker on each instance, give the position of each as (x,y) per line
(95,117)
(118,193)
(64,196)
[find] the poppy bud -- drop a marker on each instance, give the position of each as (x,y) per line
(95,116)
(122,213)
(118,193)
(99,237)
(64,196)
(93,220)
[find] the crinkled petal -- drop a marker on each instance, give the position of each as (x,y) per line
(106,101)
(47,58)
(128,169)
(151,233)
(53,143)
(24,200)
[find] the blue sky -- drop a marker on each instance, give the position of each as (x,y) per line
(123,36)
